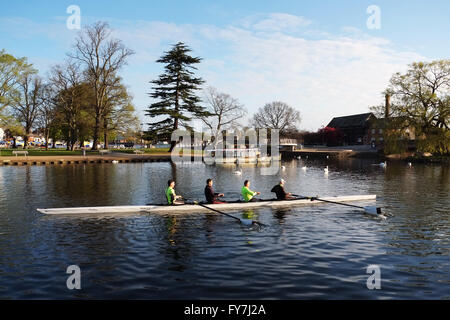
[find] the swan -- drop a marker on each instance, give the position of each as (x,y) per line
(239,172)
(409,164)
(304,168)
(115,161)
(326,169)
(383,164)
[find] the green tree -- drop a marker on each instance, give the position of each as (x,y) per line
(27,102)
(73,99)
(421,100)
(13,129)
(175,90)
(119,112)
(75,112)
(46,113)
(11,71)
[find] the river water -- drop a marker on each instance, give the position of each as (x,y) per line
(307,252)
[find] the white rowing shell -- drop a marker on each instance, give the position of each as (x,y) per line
(197,208)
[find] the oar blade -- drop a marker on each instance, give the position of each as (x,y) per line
(246,222)
(372,210)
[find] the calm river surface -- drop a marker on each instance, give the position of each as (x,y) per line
(309,252)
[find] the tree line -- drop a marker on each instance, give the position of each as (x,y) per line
(80,99)
(84,97)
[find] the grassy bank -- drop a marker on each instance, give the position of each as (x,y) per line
(37,152)
(62,152)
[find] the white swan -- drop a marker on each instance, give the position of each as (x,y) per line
(239,172)
(115,161)
(304,168)
(383,164)
(326,170)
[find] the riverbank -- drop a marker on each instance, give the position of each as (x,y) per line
(113,157)
(362,153)
(63,152)
(62,157)
(445,159)
(335,153)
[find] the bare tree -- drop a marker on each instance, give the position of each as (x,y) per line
(68,95)
(46,113)
(102,57)
(225,110)
(276,115)
(26,102)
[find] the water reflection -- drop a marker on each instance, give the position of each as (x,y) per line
(280,214)
(314,251)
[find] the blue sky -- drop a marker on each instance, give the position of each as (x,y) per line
(317,56)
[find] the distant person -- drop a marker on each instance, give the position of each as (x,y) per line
(210,195)
(172,197)
(279,191)
(248,194)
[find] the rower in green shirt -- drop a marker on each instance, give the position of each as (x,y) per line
(171,196)
(248,194)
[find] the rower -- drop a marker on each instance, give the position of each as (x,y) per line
(211,196)
(172,198)
(249,194)
(279,191)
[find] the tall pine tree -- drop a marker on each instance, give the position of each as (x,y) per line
(175,92)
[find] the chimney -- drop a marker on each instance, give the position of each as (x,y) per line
(387,106)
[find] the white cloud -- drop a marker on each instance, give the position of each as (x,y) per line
(276,22)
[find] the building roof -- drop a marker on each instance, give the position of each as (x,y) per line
(356,120)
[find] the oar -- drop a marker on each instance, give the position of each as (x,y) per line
(247,222)
(376,211)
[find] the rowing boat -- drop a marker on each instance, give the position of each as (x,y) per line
(196,208)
